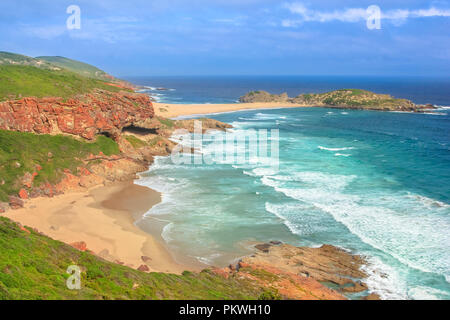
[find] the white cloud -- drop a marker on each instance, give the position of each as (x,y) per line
(355,14)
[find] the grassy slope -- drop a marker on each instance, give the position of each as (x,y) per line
(81,68)
(28,150)
(8,58)
(33,266)
(27,81)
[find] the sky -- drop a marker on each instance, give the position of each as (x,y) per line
(236,37)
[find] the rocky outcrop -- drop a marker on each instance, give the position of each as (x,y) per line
(143,268)
(344,98)
(264,96)
(81,245)
(302,272)
(85,116)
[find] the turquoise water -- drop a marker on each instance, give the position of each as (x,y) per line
(375,183)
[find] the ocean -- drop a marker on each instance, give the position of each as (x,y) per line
(228,89)
(375,183)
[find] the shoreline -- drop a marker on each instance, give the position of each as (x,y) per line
(103,221)
(170,110)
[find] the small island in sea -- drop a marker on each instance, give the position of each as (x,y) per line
(343,98)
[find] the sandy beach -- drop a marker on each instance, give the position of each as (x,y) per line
(176,110)
(104,219)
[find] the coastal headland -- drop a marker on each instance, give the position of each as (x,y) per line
(68,162)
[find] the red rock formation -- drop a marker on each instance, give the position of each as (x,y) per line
(85,116)
(24,229)
(82,246)
(23,194)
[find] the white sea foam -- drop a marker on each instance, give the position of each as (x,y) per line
(165,234)
(427,293)
(384,280)
(435,113)
(274,210)
(336,149)
(264,171)
(209,260)
(342,155)
(419,241)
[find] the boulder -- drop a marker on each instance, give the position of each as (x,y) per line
(23,194)
(15,202)
(143,268)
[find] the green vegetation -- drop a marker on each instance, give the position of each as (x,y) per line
(8,58)
(343,98)
(167,122)
(21,152)
(135,142)
(55,63)
(154,141)
(81,68)
(27,81)
(33,266)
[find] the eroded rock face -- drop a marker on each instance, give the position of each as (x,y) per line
(85,116)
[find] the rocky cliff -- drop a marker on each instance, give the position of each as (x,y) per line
(344,98)
(85,115)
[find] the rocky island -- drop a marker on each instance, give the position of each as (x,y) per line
(344,98)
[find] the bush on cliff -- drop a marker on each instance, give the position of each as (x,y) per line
(22,152)
(33,266)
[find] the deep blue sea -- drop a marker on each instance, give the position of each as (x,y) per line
(375,183)
(228,89)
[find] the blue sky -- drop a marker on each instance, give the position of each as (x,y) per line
(235,37)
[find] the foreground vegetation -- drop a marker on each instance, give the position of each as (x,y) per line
(21,152)
(33,266)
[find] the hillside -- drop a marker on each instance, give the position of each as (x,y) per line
(81,68)
(17,81)
(8,58)
(21,153)
(33,266)
(344,98)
